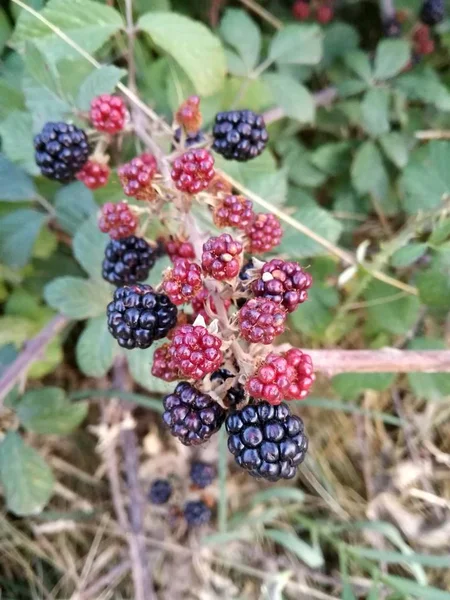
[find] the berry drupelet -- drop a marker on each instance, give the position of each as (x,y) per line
(136,176)
(138,316)
(191,416)
(183,281)
(94,175)
(283,282)
(163,365)
(62,150)
(160,491)
(196,513)
(261,320)
(193,171)
(432,12)
(267,441)
(264,233)
(202,474)
(233,211)
(239,135)
(127,260)
(117,220)
(108,113)
(195,351)
(221,258)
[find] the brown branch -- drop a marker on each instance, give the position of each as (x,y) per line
(30,354)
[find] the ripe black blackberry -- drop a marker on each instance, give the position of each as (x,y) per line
(239,134)
(138,316)
(62,149)
(432,12)
(267,440)
(190,139)
(236,394)
(191,416)
(196,513)
(128,260)
(202,474)
(160,491)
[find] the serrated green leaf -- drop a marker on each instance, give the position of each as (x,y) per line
(430,386)
(78,298)
(18,233)
(43,104)
(297,44)
(332,158)
(406,256)
(293,97)
(41,68)
(48,411)
(11,99)
(340,39)
(17,141)
(386,311)
(395,147)
(248,172)
(434,283)
(100,81)
(15,184)
(26,478)
(74,204)
(96,348)
(239,30)
(52,356)
(391,57)
(425,86)
(89,247)
(89,24)
(350,385)
(272,187)
(368,172)
(192,45)
(313,557)
(375,112)
(359,63)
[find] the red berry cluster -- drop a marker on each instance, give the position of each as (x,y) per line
(94,174)
(183,281)
(193,171)
(178,248)
(117,220)
(136,177)
(261,320)
(108,113)
(264,233)
(233,211)
(163,365)
(423,43)
(320,10)
(221,258)
(286,376)
(195,351)
(189,115)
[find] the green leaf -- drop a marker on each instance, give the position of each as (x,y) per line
(78,298)
(429,386)
(278,493)
(340,39)
(434,283)
(26,478)
(441,233)
(240,31)
(15,184)
(15,330)
(89,247)
(273,187)
(391,313)
(368,172)
(48,411)
(139,362)
(96,348)
(293,97)
(426,179)
(332,158)
(74,204)
(350,385)
(11,99)
(18,233)
(192,45)
(297,44)
(406,256)
(313,317)
(52,356)
(89,24)
(375,112)
(311,556)
(389,556)
(5,29)
(41,68)
(395,147)
(416,590)
(100,81)
(43,104)
(17,141)
(359,63)
(248,172)
(391,57)
(347,592)
(425,86)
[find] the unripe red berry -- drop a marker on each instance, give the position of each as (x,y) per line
(301,10)
(136,177)
(193,171)
(189,115)
(426,47)
(221,257)
(233,211)
(163,365)
(304,374)
(94,174)
(421,33)
(183,281)
(108,113)
(118,220)
(195,351)
(178,248)
(324,13)
(264,233)
(261,320)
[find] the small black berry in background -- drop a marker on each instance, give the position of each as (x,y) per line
(239,135)
(62,149)
(191,416)
(127,260)
(196,513)
(236,394)
(202,474)
(392,28)
(432,12)
(160,491)
(190,139)
(138,316)
(267,441)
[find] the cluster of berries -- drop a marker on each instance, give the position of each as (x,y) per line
(321,11)
(195,512)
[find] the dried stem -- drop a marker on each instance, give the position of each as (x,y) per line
(93,591)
